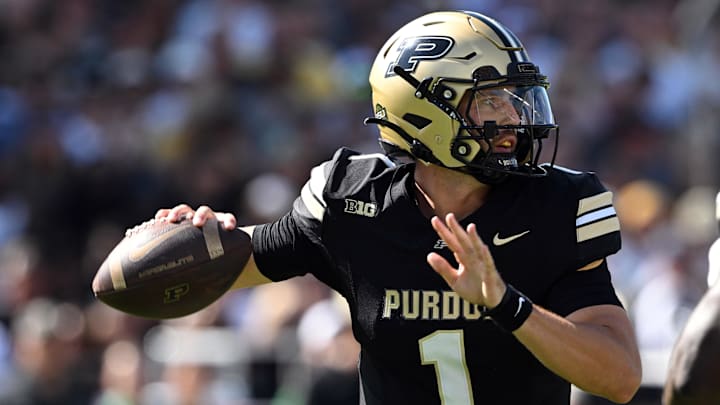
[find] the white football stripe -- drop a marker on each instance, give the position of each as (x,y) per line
(595,215)
(116,274)
(212,240)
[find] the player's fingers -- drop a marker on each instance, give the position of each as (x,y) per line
(460,233)
(228,221)
(445,234)
(481,247)
(487,256)
(443,268)
(179,212)
(162,212)
(202,215)
(475,239)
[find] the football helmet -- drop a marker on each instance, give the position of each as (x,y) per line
(457,89)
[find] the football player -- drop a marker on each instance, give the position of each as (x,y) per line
(474,273)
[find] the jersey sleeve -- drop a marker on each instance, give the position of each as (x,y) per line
(597,228)
(597,235)
(578,289)
(293,245)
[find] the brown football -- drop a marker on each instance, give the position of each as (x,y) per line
(165,269)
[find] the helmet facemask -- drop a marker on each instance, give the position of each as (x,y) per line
(502,131)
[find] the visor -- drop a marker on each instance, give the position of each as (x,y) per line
(509,107)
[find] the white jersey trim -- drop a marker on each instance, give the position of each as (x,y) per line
(562,169)
(312,192)
(595,215)
(383,158)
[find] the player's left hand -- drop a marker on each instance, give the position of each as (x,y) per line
(476,279)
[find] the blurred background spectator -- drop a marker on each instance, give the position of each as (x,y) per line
(111,109)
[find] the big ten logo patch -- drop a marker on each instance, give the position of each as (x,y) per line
(356,207)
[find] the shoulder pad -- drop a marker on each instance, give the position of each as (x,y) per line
(345,170)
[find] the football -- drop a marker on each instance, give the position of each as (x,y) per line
(164,269)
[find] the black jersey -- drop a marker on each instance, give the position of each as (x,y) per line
(356,227)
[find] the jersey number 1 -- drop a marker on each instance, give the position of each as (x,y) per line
(445,350)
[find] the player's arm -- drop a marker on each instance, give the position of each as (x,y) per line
(593,348)
(587,337)
(250,276)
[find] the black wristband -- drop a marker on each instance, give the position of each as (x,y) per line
(512,311)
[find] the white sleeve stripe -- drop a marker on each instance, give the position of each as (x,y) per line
(317,182)
(316,208)
(592,203)
(597,229)
(385,159)
(595,215)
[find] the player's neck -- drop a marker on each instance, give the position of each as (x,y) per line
(440,191)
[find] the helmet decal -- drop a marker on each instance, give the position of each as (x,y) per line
(414,49)
(380,111)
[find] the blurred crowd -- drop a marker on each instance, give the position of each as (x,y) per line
(112,109)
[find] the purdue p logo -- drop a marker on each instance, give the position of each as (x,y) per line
(173,294)
(412,50)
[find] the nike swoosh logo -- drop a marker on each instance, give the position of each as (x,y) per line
(139,252)
(498,241)
(520,302)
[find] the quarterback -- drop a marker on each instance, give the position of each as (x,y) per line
(474,273)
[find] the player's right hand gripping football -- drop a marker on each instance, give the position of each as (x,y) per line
(250,275)
(199,216)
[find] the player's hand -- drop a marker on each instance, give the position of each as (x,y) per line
(199,216)
(476,279)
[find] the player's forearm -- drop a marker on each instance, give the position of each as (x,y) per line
(598,356)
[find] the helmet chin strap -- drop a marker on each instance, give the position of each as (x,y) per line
(485,173)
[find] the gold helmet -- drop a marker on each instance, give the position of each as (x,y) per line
(430,80)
